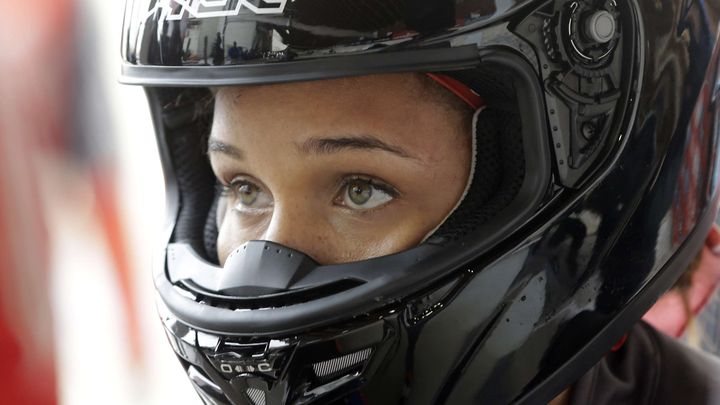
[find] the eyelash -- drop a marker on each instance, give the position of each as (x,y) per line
(384,187)
(225,190)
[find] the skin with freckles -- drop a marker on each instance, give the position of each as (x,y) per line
(342,170)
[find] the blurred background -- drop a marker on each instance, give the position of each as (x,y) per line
(81,213)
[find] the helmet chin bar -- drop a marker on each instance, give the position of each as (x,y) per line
(264,273)
(226,369)
(267,289)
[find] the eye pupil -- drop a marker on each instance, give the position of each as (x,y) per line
(360,192)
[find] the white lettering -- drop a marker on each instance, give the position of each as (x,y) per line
(175,9)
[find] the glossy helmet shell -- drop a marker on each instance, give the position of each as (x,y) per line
(603,117)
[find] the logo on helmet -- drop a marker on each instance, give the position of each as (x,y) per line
(263,367)
(175,9)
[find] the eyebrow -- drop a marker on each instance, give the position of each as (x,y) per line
(360,142)
(216,145)
(319,146)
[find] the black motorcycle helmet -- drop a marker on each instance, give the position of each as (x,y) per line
(600,132)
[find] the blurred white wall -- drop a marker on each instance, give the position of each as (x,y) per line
(94,362)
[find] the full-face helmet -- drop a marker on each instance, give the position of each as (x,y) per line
(595,188)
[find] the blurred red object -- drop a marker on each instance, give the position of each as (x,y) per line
(35,117)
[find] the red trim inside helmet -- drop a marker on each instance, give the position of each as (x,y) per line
(459,89)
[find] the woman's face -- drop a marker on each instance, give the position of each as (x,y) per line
(341,170)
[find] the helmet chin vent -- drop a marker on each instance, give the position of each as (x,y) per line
(333,367)
(256,396)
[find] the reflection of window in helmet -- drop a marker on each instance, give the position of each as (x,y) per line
(321,23)
(369,18)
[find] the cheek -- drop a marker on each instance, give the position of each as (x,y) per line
(232,232)
(227,239)
(399,241)
(355,240)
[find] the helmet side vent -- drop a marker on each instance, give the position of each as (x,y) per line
(332,367)
(256,396)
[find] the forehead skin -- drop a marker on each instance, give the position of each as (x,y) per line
(269,124)
(381,100)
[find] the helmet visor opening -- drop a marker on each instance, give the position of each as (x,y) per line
(505,192)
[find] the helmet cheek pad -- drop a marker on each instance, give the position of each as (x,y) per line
(528,282)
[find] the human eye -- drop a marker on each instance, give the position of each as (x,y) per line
(246,196)
(359,193)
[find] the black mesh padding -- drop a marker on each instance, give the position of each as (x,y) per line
(210,233)
(499,173)
(494,85)
(186,115)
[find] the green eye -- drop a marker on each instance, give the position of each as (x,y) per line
(246,197)
(364,194)
(248,194)
(359,191)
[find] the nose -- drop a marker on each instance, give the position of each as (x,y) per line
(296,227)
